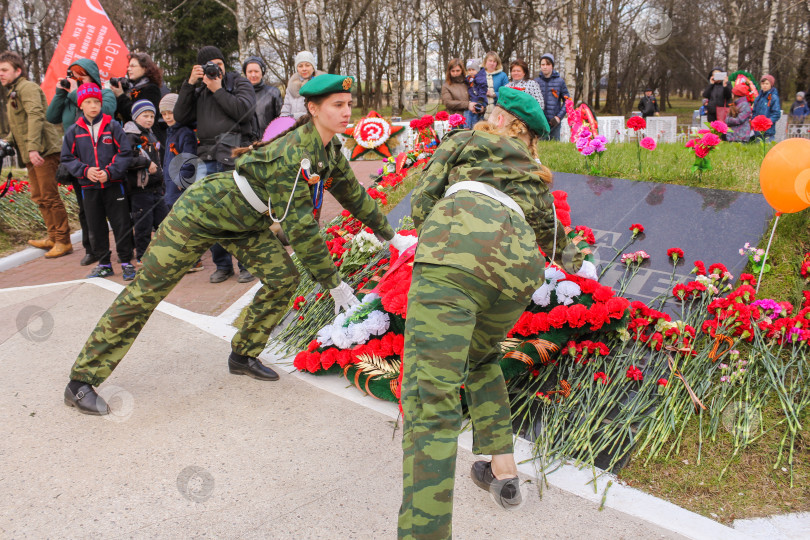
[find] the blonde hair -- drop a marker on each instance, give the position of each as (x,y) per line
(515,127)
(493,54)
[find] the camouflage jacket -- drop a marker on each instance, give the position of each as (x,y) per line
(271,172)
(478,234)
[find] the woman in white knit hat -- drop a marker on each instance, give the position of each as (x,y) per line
(293,102)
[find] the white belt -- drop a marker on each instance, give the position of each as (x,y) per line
(489,191)
(248,193)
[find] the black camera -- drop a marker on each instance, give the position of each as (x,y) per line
(64,83)
(121,82)
(479,108)
(6,150)
(212,71)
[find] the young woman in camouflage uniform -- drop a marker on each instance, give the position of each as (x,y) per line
(482,207)
(219,208)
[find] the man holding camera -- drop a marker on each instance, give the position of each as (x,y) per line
(222,104)
(40,145)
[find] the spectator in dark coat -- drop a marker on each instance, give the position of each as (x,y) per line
(648,105)
(768,104)
(222,107)
(144,176)
(454,90)
(553,88)
(799,111)
(718,93)
(147,80)
(268,97)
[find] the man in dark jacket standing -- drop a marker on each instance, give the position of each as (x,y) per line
(38,143)
(222,105)
(554,94)
(718,92)
(648,105)
(268,97)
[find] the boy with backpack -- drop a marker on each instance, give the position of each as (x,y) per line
(96,152)
(144,176)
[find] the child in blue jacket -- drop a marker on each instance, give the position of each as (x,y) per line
(477,92)
(179,140)
(768,104)
(96,152)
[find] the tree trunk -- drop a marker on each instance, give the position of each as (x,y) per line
(612,98)
(733,35)
(302,18)
(766,54)
(571,46)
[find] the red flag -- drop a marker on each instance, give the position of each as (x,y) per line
(88,33)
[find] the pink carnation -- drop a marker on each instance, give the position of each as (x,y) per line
(719,127)
(710,139)
(648,143)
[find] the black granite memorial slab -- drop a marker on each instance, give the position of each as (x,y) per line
(707,224)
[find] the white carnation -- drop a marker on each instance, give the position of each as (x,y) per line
(553,274)
(567,291)
(542,296)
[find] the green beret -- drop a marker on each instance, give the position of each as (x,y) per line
(326,84)
(525,107)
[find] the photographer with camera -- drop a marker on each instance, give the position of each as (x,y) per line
(222,104)
(64,110)
(39,145)
(718,92)
(143,81)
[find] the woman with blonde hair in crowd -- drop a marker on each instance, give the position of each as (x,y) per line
(492,74)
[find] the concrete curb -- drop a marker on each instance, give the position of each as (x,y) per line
(29,254)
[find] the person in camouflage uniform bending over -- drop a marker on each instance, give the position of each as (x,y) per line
(287,174)
(482,207)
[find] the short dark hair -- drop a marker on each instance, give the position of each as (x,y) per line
(522,64)
(152,71)
(15,60)
(454,62)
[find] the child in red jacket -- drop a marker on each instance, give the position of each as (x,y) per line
(96,152)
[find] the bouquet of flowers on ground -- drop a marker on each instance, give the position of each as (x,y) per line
(755,255)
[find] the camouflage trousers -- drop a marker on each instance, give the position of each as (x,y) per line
(212,210)
(455,321)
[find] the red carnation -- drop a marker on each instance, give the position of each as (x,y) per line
(616,307)
(600,376)
(761,123)
(700,268)
(634,373)
(328,358)
(597,315)
(577,315)
(313,362)
(602,294)
(721,269)
(540,323)
(636,228)
(662,382)
(587,233)
(675,253)
(442,116)
(636,123)
(557,317)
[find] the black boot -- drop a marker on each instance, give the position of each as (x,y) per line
(84,397)
(505,492)
(239,364)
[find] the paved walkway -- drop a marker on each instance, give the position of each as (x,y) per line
(194,292)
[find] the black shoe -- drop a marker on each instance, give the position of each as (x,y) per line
(245,276)
(505,492)
(250,366)
(88,259)
(220,275)
(86,400)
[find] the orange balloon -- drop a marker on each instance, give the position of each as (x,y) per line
(779,172)
(802,185)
